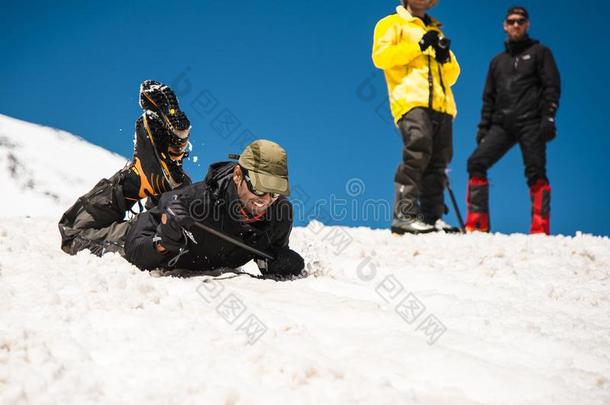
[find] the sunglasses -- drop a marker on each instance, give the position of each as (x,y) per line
(518,21)
(253,190)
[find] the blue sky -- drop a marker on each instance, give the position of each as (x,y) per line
(300,73)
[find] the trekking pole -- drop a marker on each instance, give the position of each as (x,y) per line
(234,241)
(454,202)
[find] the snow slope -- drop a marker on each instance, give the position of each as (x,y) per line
(47,169)
(527,322)
(432,319)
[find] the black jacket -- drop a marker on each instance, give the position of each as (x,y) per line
(523,85)
(213,202)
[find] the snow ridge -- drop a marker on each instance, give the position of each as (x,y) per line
(47,169)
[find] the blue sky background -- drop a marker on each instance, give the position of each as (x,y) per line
(300,73)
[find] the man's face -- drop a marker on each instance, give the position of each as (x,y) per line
(516,26)
(252,203)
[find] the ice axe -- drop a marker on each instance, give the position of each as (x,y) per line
(454,202)
(234,241)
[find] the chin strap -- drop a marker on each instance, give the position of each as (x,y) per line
(249,219)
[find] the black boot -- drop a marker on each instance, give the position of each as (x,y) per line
(407,218)
(161,139)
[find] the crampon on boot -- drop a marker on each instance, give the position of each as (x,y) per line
(477,218)
(161,140)
(162,100)
(540,194)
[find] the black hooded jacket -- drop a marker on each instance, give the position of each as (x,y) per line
(213,202)
(523,85)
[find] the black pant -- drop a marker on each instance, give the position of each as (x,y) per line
(96,220)
(500,139)
(428,148)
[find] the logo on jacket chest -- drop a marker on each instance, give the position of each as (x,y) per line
(524,58)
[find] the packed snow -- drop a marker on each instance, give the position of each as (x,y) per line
(526,319)
(431,319)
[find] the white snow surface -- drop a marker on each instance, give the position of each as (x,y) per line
(527,322)
(46,169)
(431,319)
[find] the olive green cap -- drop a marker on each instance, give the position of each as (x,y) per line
(267,165)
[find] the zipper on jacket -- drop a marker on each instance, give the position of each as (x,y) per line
(440,76)
(430,84)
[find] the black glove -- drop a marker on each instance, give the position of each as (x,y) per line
(548,130)
(442,52)
(174,219)
(481,133)
(428,39)
(287,263)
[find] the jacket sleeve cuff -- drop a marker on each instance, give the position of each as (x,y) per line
(147,257)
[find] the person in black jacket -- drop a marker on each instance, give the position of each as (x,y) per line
(520,101)
(244,200)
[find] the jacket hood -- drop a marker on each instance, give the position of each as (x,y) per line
(219,177)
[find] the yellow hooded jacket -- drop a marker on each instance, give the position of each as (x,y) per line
(408,70)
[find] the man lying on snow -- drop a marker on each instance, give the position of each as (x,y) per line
(244,201)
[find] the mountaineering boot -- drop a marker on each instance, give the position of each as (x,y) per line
(162,100)
(540,194)
(477,218)
(407,219)
(161,139)
(157,169)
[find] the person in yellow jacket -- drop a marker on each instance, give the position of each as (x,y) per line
(419,69)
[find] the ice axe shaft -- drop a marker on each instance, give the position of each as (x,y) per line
(455,205)
(233,241)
